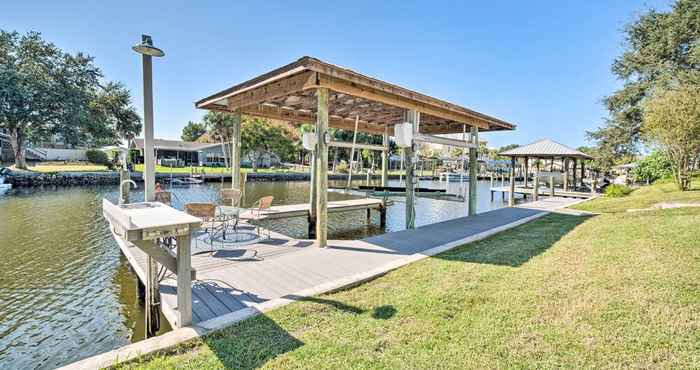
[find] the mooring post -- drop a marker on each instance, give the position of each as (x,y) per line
(382,214)
(184,281)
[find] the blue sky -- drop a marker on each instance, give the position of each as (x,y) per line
(544,65)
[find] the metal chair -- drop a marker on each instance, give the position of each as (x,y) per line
(164,197)
(230,198)
(207,212)
(257,212)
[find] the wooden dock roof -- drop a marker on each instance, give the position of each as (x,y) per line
(288,93)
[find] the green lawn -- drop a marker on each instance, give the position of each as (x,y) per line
(644,197)
(616,290)
(72,167)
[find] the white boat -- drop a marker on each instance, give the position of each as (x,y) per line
(186,181)
(4,188)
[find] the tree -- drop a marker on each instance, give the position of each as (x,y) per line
(260,136)
(193,131)
(220,128)
(45,91)
(672,122)
(655,166)
(661,47)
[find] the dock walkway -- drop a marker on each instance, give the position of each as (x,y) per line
(543,192)
(235,278)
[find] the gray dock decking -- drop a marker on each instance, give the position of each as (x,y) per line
(232,279)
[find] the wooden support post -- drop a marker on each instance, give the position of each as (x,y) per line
(184,281)
(551,185)
(473,168)
(536,185)
(574,183)
(312,195)
(527,171)
(382,214)
(511,198)
(236,150)
(352,151)
(321,183)
(583,171)
(385,156)
(412,117)
(503,177)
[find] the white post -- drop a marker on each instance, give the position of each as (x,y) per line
(322,168)
(184,281)
(149,170)
(236,151)
(352,150)
(385,156)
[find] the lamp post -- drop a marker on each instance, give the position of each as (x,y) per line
(147,51)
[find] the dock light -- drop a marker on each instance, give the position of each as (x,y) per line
(146,47)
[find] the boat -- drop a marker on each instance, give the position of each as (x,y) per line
(186,181)
(4,188)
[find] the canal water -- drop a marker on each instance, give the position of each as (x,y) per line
(66,292)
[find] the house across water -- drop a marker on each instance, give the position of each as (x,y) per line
(178,153)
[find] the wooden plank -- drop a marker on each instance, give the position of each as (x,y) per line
(161,255)
(322,168)
(215,305)
(272,90)
(424,138)
(343,144)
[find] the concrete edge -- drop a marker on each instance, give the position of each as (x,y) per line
(178,336)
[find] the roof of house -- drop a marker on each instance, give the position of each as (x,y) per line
(183,146)
(288,93)
(545,148)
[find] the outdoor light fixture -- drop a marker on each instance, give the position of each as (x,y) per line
(146,47)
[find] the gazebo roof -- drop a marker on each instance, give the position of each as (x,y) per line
(288,93)
(545,148)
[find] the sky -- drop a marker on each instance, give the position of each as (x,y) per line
(543,65)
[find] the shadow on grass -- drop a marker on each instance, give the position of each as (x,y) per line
(519,245)
(252,343)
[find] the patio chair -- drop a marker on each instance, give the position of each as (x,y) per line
(230,198)
(164,197)
(257,213)
(207,212)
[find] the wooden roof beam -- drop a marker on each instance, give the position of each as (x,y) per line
(276,89)
(364,92)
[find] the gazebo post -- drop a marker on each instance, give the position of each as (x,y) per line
(511,198)
(583,171)
(473,164)
(527,171)
(536,185)
(236,151)
(566,174)
(321,182)
(574,183)
(385,156)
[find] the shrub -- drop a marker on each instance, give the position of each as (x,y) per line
(342,167)
(655,166)
(617,191)
(97,156)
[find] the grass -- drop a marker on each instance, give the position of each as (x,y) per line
(71,167)
(644,197)
(616,290)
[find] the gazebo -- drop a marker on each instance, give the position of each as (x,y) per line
(545,149)
(310,90)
